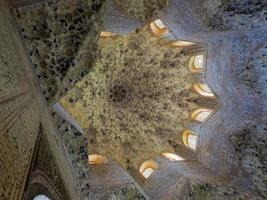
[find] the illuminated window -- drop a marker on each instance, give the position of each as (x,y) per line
(147,172)
(172,156)
(41,197)
(190,139)
(148,168)
(196,63)
(97,159)
(203,90)
(181,43)
(107,34)
(158,28)
(201,114)
(159,24)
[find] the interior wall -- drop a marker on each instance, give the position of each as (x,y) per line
(22,111)
(44,177)
(235,71)
(20,119)
(174,183)
(117,21)
(108,180)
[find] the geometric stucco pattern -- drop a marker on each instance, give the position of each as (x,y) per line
(137,86)
(255,73)
(231,142)
(46,164)
(61,38)
(19,117)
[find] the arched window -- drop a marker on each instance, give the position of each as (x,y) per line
(41,197)
(147,172)
(203,89)
(148,168)
(107,34)
(97,159)
(201,114)
(181,43)
(196,63)
(158,28)
(190,139)
(172,156)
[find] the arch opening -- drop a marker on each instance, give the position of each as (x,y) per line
(190,139)
(97,159)
(196,63)
(201,114)
(107,34)
(148,168)
(172,156)
(41,197)
(203,89)
(181,43)
(147,172)
(158,28)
